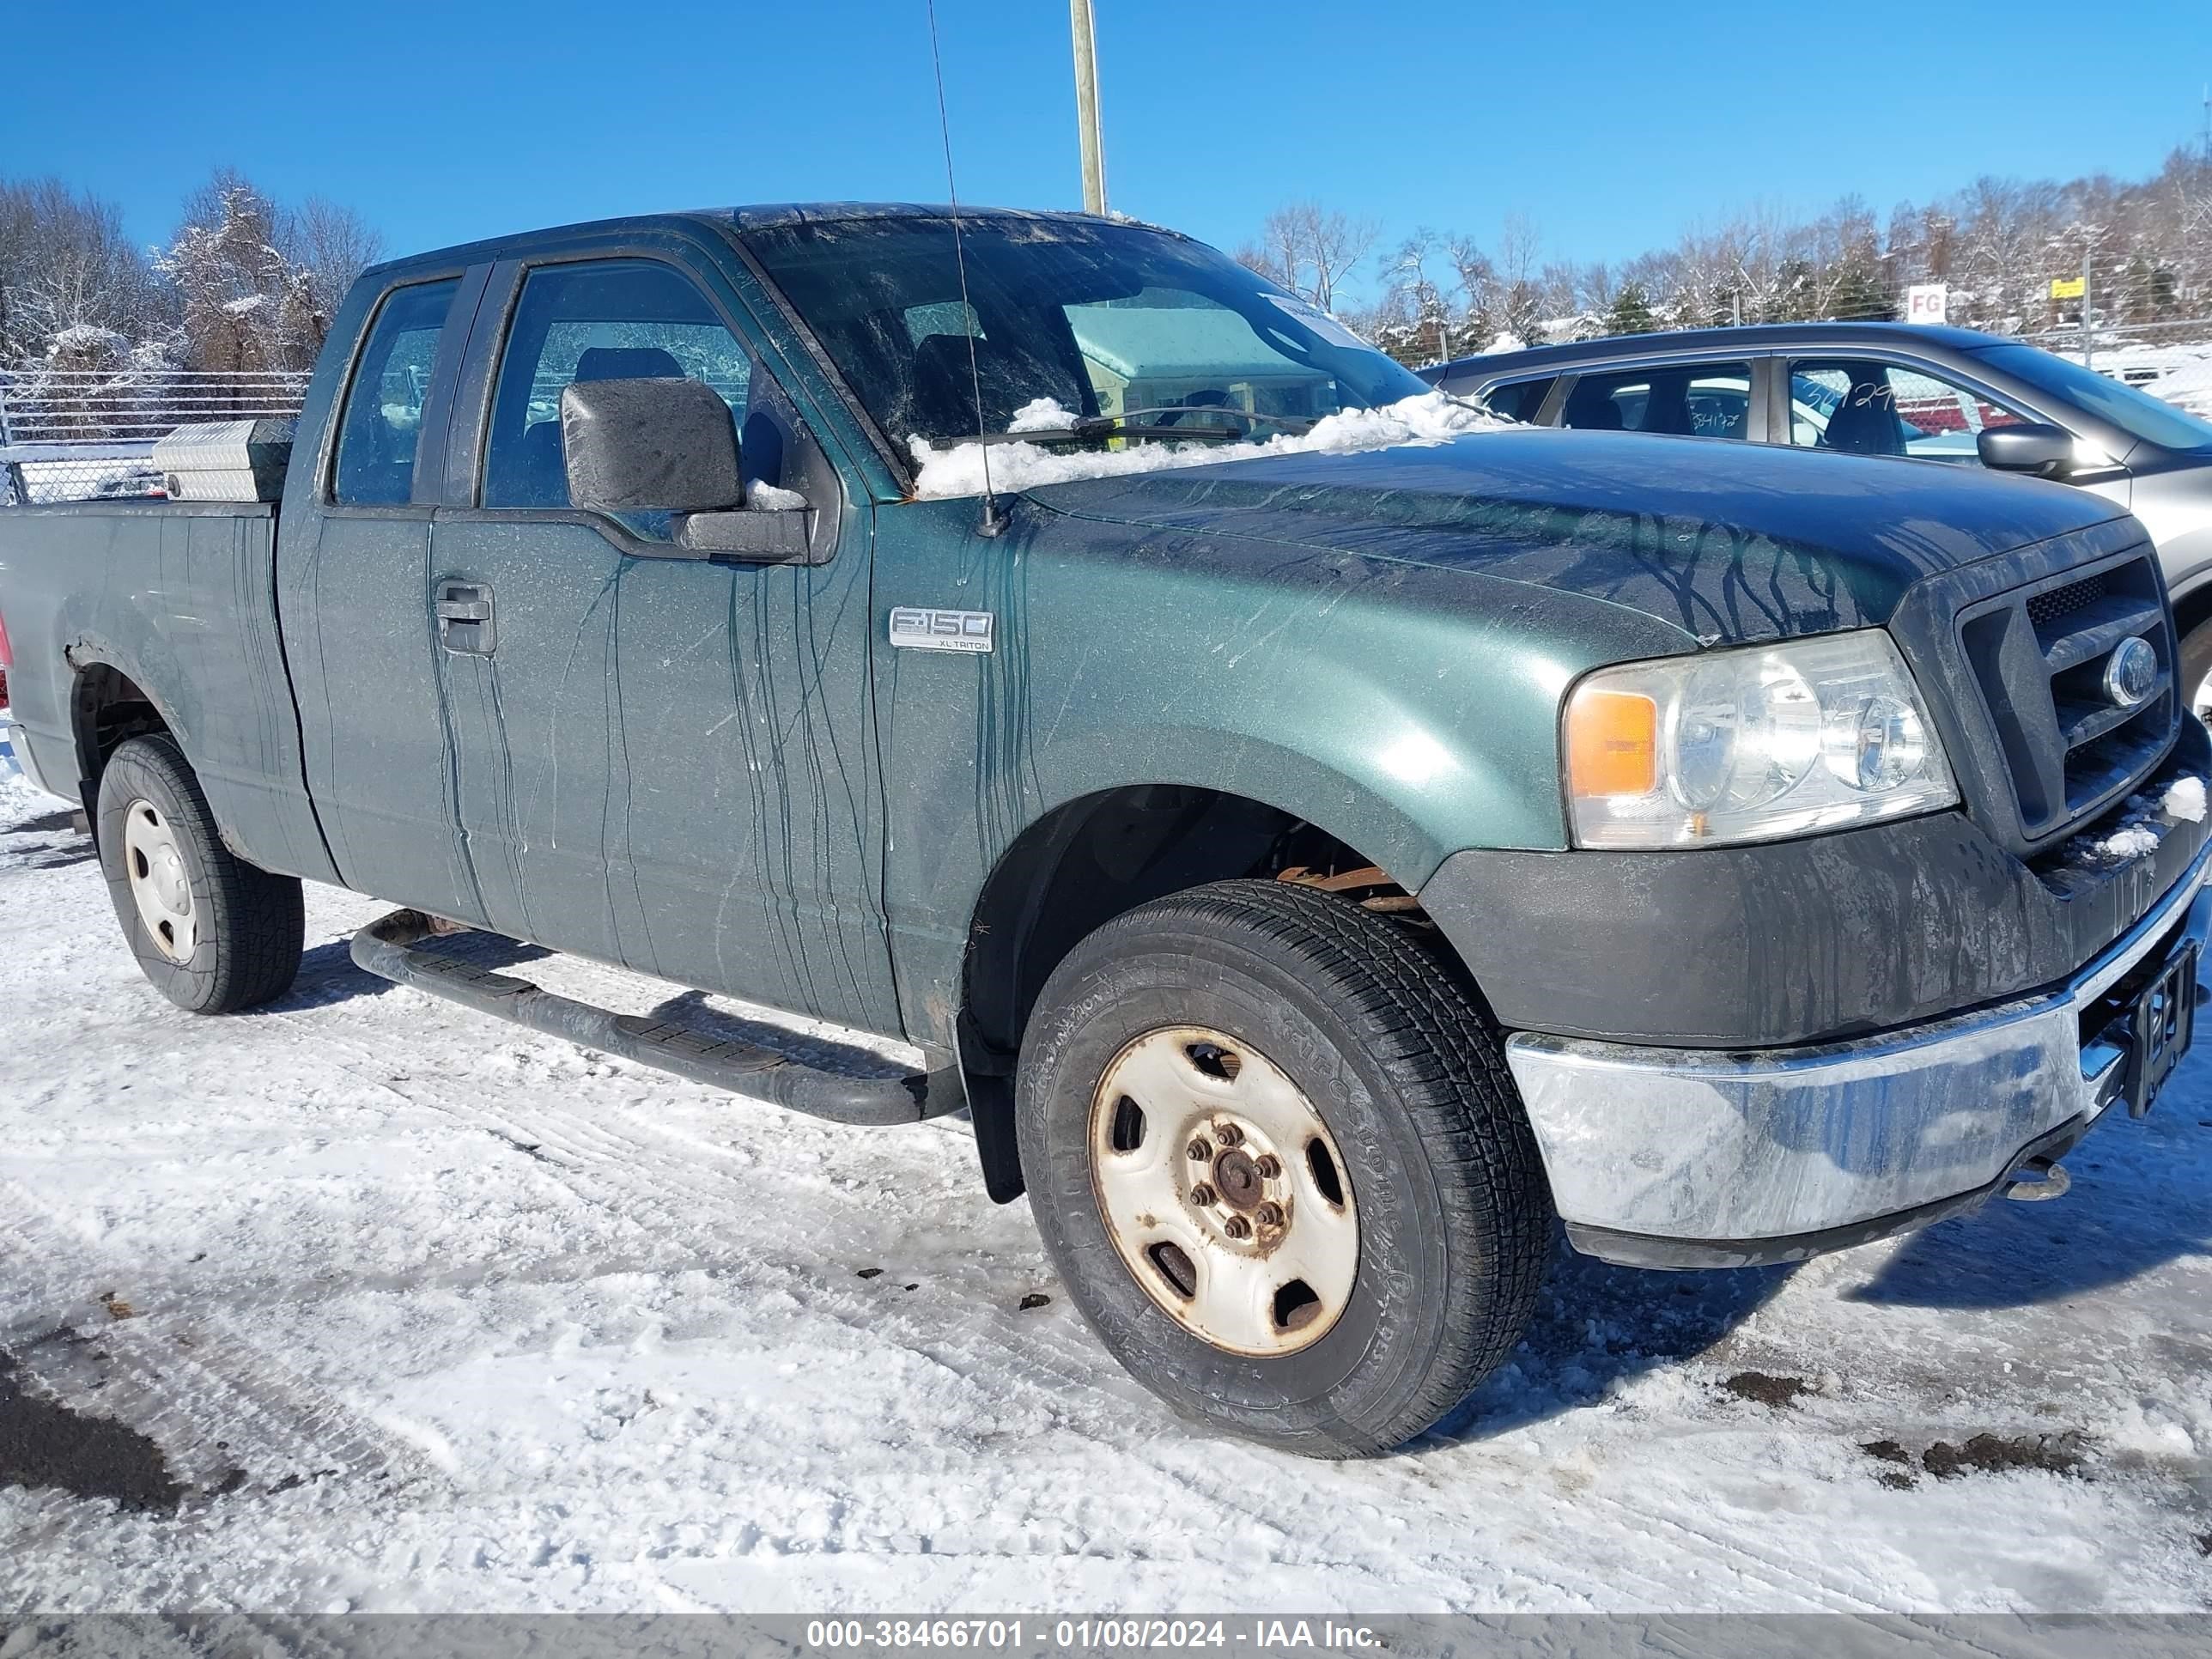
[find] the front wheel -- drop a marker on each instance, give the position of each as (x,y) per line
(213,932)
(1275,1154)
(2197,669)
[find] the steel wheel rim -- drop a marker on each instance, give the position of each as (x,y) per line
(1223,1191)
(159,886)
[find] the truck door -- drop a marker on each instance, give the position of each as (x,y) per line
(665,762)
(354,589)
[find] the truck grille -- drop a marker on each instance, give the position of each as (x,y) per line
(2038,656)
(2044,609)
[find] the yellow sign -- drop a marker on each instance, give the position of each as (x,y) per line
(2066,288)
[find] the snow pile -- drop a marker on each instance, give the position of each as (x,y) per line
(769,498)
(1433,418)
(2139,828)
(2131,842)
(2184,802)
(81,339)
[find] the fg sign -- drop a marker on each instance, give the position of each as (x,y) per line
(1925,303)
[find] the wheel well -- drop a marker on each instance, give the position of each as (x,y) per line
(107,709)
(2192,608)
(1073,870)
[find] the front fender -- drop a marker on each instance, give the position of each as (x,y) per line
(1409,710)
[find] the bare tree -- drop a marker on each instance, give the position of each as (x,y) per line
(333,245)
(1309,250)
(1427,319)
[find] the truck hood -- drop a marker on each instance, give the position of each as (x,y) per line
(1728,542)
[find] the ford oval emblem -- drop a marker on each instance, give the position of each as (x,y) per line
(2132,671)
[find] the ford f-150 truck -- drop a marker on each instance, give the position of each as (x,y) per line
(1320,863)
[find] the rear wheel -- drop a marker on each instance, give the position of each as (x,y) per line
(214,934)
(1276,1156)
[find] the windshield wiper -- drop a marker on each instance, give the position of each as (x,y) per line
(1293,422)
(1091,429)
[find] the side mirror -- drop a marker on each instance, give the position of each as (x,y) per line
(669,445)
(2045,451)
(658,446)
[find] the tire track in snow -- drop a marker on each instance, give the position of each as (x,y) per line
(221,1408)
(1060,1379)
(632,1167)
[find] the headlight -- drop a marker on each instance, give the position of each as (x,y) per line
(1750,743)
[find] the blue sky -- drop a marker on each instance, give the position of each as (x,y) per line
(1614,127)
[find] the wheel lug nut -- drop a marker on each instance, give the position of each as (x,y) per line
(1269,1165)
(1269,1215)
(1200,1151)
(1237,1227)
(1202,1195)
(1228,1133)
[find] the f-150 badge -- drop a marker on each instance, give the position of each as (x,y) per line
(923,630)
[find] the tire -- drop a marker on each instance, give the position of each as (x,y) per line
(2197,666)
(229,936)
(1408,1078)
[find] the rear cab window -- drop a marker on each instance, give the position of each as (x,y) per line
(381,426)
(1686,400)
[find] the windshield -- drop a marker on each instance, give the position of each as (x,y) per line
(2151,419)
(1103,319)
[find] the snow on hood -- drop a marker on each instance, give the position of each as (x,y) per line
(1432,417)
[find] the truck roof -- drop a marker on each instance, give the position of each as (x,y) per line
(757,217)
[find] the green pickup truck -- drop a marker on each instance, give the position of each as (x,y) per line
(1323,851)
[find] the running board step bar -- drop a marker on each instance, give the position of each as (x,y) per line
(391,949)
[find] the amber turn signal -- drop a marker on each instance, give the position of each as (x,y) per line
(1612,744)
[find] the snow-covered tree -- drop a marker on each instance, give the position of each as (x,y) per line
(256,284)
(64,265)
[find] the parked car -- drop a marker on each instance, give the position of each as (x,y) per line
(1939,394)
(1313,872)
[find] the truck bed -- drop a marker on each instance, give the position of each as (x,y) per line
(179,596)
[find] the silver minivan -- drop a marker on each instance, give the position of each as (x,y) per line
(1945,395)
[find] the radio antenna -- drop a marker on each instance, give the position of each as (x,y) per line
(994,521)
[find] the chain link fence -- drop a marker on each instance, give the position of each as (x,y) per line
(84,434)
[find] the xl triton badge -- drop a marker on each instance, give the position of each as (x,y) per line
(2131,673)
(940,631)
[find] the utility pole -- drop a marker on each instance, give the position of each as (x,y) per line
(1086,107)
(2087,297)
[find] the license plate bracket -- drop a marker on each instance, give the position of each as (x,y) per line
(2161,1026)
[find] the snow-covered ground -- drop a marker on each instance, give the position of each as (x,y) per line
(414,1311)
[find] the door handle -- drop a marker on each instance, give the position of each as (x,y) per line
(465,621)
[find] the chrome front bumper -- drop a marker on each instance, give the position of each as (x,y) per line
(1681,1158)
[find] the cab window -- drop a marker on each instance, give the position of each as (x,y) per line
(1862,407)
(382,425)
(1686,400)
(604,319)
